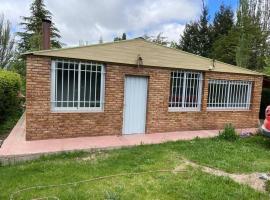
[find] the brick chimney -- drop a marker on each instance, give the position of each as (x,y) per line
(46,34)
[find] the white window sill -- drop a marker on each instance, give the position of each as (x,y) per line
(184,110)
(227,110)
(61,110)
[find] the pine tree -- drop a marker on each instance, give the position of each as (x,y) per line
(224,37)
(189,40)
(246,42)
(224,48)
(174,45)
(30,39)
(223,21)
(117,39)
(124,36)
(252,46)
(204,33)
(197,36)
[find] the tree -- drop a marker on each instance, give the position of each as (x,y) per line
(260,10)
(174,45)
(245,44)
(252,48)
(124,37)
(30,38)
(158,39)
(224,47)
(189,40)
(197,36)
(267,67)
(204,33)
(100,41)
(6,43)
(224,37)
(18,65)
(223,22)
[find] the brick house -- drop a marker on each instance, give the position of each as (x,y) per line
(134,86)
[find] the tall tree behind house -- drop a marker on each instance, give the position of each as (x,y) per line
(252,48)
(260,10)
(223,21)
(189,40)
(30,38)
(224,37)
(124,37)
(197,35)
(6,43)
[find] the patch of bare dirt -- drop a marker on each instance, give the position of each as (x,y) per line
(95,156)
(253,179)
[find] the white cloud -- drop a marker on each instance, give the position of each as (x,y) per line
(172,31)
(88,20)
(13,10)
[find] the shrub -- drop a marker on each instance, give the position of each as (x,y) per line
(10,84)
(229,133)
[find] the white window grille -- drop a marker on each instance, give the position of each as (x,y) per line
(231,95)
(185,91)
(77,86)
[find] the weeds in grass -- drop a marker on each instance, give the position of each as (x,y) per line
(109,195)
(267,186)
(229,133)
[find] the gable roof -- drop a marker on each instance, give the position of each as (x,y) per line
(127,51)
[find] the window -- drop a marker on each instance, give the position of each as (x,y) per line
(77,86)
(223,94)
(185,91)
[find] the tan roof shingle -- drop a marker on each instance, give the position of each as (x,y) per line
(127,52)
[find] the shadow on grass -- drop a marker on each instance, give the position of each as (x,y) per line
(7,125)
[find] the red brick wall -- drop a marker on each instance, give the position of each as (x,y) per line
(41,123)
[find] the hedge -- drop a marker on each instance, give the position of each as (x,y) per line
(10,85)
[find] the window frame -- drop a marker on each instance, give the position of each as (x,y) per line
(78,108)
(183,108)
(232,83)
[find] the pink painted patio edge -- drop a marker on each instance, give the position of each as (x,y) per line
(16,145)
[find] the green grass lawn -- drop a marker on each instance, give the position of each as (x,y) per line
(244,155)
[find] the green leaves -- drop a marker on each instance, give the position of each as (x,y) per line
(6,43)
(30,38)
(229,133)
(10,85)
(242,42)
(197,36)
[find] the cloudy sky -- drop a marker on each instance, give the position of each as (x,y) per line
(88,20)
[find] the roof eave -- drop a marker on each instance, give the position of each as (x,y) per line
(251,72)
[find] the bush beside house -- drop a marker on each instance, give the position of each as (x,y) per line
(229,133)
(10,86)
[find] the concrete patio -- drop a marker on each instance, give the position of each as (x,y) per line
(16,148)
